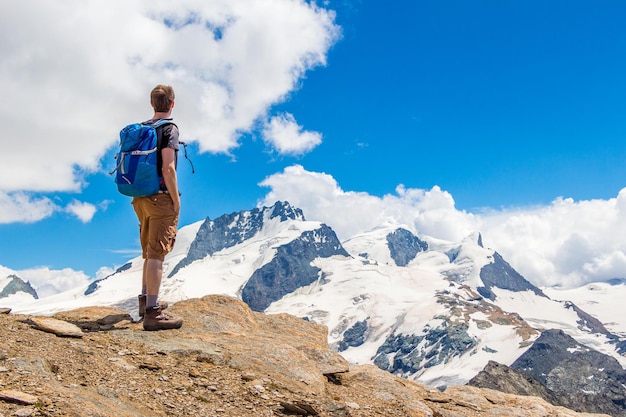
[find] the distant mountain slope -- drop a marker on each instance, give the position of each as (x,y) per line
(563,372)
(12,285)
(232,229)
(603,300)
(291,268)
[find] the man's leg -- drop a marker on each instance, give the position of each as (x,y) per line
(144,280)
(154,318)
(143,297)
(161,238)
(153,272)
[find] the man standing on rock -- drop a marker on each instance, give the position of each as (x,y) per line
(158,215)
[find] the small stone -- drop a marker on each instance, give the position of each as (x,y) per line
(113,319)
(202,382)
(292,408)
(23,412)
(214,358)
(107,392)
(150,366)
(17,397)
(5,310)
(58,327)
(309,409)
(248,376)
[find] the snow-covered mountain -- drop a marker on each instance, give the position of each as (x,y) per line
(13,289)
(429,310)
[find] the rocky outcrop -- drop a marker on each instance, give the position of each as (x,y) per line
(563,372)
(15,285)
(226,360)
(406,354)
(587,321)
(500,274)
(231,229)
(404,246)
(354,336)
(93,287)
(505,379)
(291,267)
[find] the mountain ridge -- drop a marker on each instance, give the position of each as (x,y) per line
(428,310)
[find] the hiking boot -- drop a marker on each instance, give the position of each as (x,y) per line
(156,319)
(142,305)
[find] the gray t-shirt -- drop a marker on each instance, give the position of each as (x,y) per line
(168,138)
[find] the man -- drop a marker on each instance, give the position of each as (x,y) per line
(158,215)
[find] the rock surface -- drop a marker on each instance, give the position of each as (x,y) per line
(563,372)
(225,361)
(58,327)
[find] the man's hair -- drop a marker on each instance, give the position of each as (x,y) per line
(162,97)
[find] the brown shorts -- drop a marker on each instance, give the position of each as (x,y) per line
(157,225)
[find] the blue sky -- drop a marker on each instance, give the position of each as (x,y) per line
(474,113)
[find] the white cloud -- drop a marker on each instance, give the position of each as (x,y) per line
(567,242)
(23,208)
(84,211)
(287,137)
(48,282)
(68,89)
(349,212)
(104,272)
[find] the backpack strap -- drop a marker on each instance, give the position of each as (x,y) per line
(159,132)
(163,122)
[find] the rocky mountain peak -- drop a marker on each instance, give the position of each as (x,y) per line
(475,238)
(404,246)
(502,275)
(231,229)
(15,284)
(285,211)
(291,267)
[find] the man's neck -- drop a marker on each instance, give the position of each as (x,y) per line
(162,115)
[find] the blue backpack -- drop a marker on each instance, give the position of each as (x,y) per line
(137,174)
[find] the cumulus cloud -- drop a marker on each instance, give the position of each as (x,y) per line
(431,212)
(570,242)
(104,272)
(285,135)
(21,207)
(229,61)
(24,208)
(564,243)
(48,281)
(84,211)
